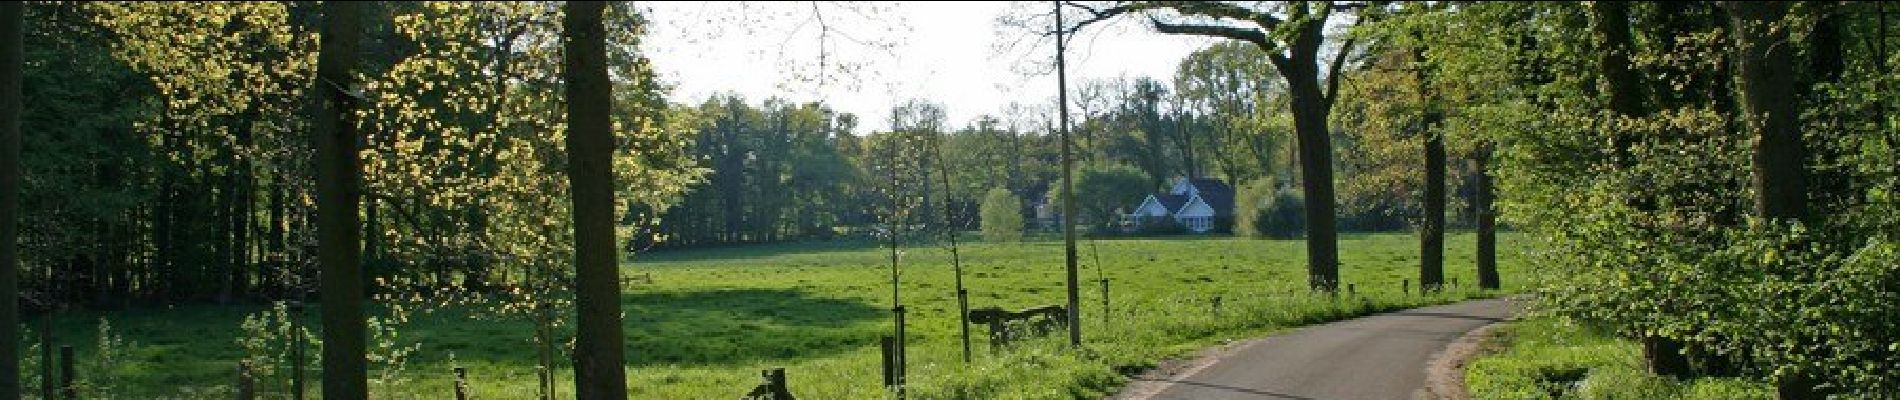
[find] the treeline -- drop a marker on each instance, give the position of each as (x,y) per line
(784,171)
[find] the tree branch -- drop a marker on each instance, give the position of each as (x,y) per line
(1339,60)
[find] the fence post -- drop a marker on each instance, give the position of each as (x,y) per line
(246,388)
(775,380)
(889,347)
(1405,287)
(67,389)
(47,379)
(1216,306)
(296,349)
(461,383)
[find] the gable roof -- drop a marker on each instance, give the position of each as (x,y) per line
(1172,202)
(1216,194)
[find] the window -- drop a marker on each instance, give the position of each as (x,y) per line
(1199,224)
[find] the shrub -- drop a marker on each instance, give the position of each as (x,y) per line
(1002,216)
(1249,203)
(1284,217)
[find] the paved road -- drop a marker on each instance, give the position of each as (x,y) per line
(1376,357)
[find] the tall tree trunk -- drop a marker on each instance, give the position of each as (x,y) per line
(11,20)
(338,242)
(1431,232)
(1767,82)
(1316,180)
(1609,23)
(599,371)
(1486,218)
(1068,185)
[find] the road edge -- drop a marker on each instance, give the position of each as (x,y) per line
(1445,372)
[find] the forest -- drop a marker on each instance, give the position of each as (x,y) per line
(1715,181)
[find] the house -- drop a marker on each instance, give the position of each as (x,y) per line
(1199,205)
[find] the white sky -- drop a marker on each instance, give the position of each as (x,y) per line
(947,52)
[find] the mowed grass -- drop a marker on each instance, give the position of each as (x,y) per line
(713,318)
(1549,358)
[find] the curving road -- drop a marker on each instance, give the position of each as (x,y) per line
(1381,356)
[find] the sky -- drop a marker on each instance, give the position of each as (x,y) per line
(953,53)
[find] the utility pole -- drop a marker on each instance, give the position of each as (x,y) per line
(1068,183)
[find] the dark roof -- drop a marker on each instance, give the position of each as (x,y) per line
(1171,202)
(1217,194)
(1211,185)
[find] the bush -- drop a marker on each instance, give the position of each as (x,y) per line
(1285,217)
(1249,203)
(1161,226)
(1002,216)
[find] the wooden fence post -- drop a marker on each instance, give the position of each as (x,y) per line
(47,379)
(461,383)
(67,389)
(246,387)
(296,349)
(889,347)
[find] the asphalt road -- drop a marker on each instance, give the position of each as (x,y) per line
(1382,356)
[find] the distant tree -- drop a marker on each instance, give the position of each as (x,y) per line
(11,19)
(345,368)
(1101,190)
(1291,35)
(1002,216)
(1251,203)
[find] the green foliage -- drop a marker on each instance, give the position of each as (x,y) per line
(1101,191)
(1002,216)
(1251,203)
(1553,358)
(1262,208)
(1642,216)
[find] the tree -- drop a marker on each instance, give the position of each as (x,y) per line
(1772,119)
(1431,232)
(11,20)
(1252,200)
(599,371)
(1230,87)
(1291,38)
(1767,82)
(1002,216)
(345,368)
(1101,190)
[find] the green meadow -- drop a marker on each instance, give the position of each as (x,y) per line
(713,318)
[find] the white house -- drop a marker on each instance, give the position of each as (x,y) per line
(1194,203)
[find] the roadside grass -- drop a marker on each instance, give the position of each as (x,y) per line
(715,317)
(1550,358)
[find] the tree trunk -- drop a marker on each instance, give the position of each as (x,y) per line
(1431,232)
(599,371)
(1609,22)
(1316,180)
(1767,82)
(1486,219)
(344,332)
(11,18)
(1779,178)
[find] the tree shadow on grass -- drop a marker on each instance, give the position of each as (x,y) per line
(735,326)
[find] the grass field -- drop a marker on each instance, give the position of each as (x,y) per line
(1547,358)
(713,318)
